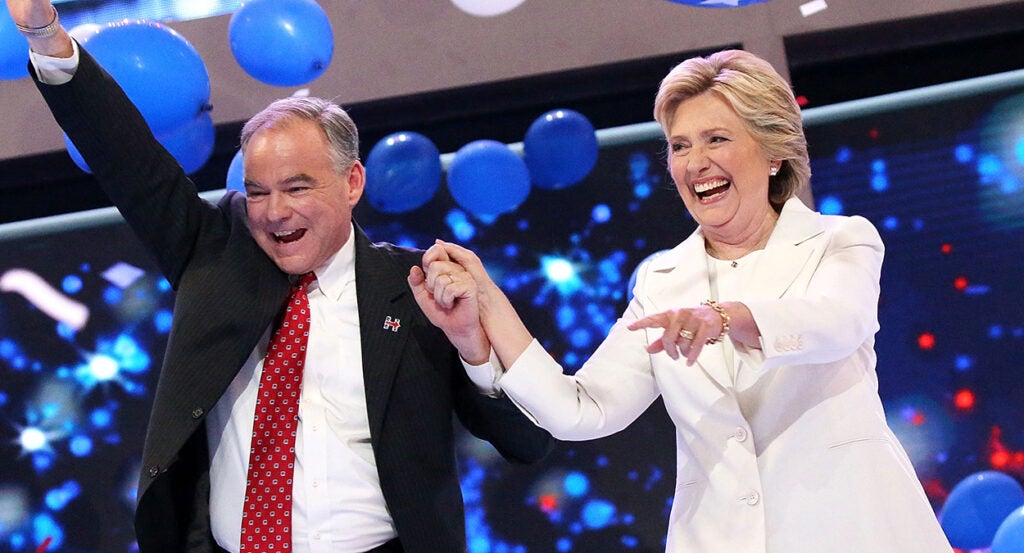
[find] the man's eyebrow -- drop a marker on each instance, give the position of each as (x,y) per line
(300,177)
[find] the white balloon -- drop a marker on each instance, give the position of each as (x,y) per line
(487,8)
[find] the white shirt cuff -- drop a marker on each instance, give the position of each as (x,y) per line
(55,71)
(485,376)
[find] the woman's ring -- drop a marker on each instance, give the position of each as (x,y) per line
(451,279)
(686,334)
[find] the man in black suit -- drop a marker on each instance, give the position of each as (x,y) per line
(375,468)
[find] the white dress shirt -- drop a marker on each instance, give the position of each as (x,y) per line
(336,489)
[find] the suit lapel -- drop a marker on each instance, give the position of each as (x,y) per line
(219,317)
(385,324)
(264,298)
(680,278)
(788,251)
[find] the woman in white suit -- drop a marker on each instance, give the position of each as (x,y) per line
(757,330)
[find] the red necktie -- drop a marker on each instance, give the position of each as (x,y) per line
(267,511)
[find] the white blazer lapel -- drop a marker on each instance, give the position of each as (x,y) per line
(788,251)
(679,278)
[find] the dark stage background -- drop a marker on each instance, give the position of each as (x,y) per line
(941,180)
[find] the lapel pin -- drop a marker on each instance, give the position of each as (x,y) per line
(392,324)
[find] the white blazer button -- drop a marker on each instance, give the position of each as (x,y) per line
(741,434)
(753,498)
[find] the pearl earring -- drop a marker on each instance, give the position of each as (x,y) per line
(773,171)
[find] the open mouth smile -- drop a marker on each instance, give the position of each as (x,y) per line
(288,236)
(707,190)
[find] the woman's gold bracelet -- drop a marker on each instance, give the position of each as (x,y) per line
(725,322)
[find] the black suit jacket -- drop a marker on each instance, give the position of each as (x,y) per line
(228,293)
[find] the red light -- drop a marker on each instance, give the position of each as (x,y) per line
(926,341)
(960,283)
(548,503)
(873,133)
(917,419)
(999,459)
(964,400)
(934,489)
(802,101)
(946,248)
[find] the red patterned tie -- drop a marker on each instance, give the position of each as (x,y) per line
(267,511)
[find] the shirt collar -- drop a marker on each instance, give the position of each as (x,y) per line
(340,270)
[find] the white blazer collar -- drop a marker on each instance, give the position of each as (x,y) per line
(787,250)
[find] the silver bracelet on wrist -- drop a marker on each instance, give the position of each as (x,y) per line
(41,32)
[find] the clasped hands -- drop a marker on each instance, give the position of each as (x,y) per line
(453,283)
(449,296)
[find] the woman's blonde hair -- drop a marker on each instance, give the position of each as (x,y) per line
(761,98)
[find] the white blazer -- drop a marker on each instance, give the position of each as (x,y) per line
(793,455)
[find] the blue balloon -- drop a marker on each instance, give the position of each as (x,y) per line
(560,149)
(1009,537)
(976,507)
(76,156)
(403,171)
(158,69)
(718,3)
(487,179)
(83,31)
(13,48)
(281,42)
(236,174)
(192,143)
